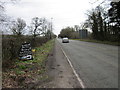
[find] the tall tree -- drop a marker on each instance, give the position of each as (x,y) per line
(100,11)
(92,22)
(114,14)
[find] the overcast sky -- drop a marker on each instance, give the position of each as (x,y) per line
(64,12)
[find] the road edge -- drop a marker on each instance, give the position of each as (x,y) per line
(78,78)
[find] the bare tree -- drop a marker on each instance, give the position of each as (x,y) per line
(83,25)
(5,19)
(18,27)
(40,26)
(35,28)
(92,22)
(76,27)
(44,26)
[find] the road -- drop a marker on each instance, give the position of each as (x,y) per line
(59,71)
(96,64)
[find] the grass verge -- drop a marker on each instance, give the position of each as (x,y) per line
(24,73)
(102,42)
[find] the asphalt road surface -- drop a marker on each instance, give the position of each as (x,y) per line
(96,64)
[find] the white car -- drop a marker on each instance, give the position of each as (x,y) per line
(65,40)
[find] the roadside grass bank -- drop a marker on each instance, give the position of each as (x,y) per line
(25,73)
(11,47)
(102,42)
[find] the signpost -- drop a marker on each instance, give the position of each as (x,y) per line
(25,52)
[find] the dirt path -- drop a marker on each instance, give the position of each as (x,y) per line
(59,71)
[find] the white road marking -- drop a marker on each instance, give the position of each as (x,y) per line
(80,81)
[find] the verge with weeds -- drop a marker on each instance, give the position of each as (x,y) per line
(102,42)
(27,72)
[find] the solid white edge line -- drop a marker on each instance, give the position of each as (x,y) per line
(80,81)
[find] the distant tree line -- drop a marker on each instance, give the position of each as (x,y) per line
(105,25)
(38,27)
(69,32)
